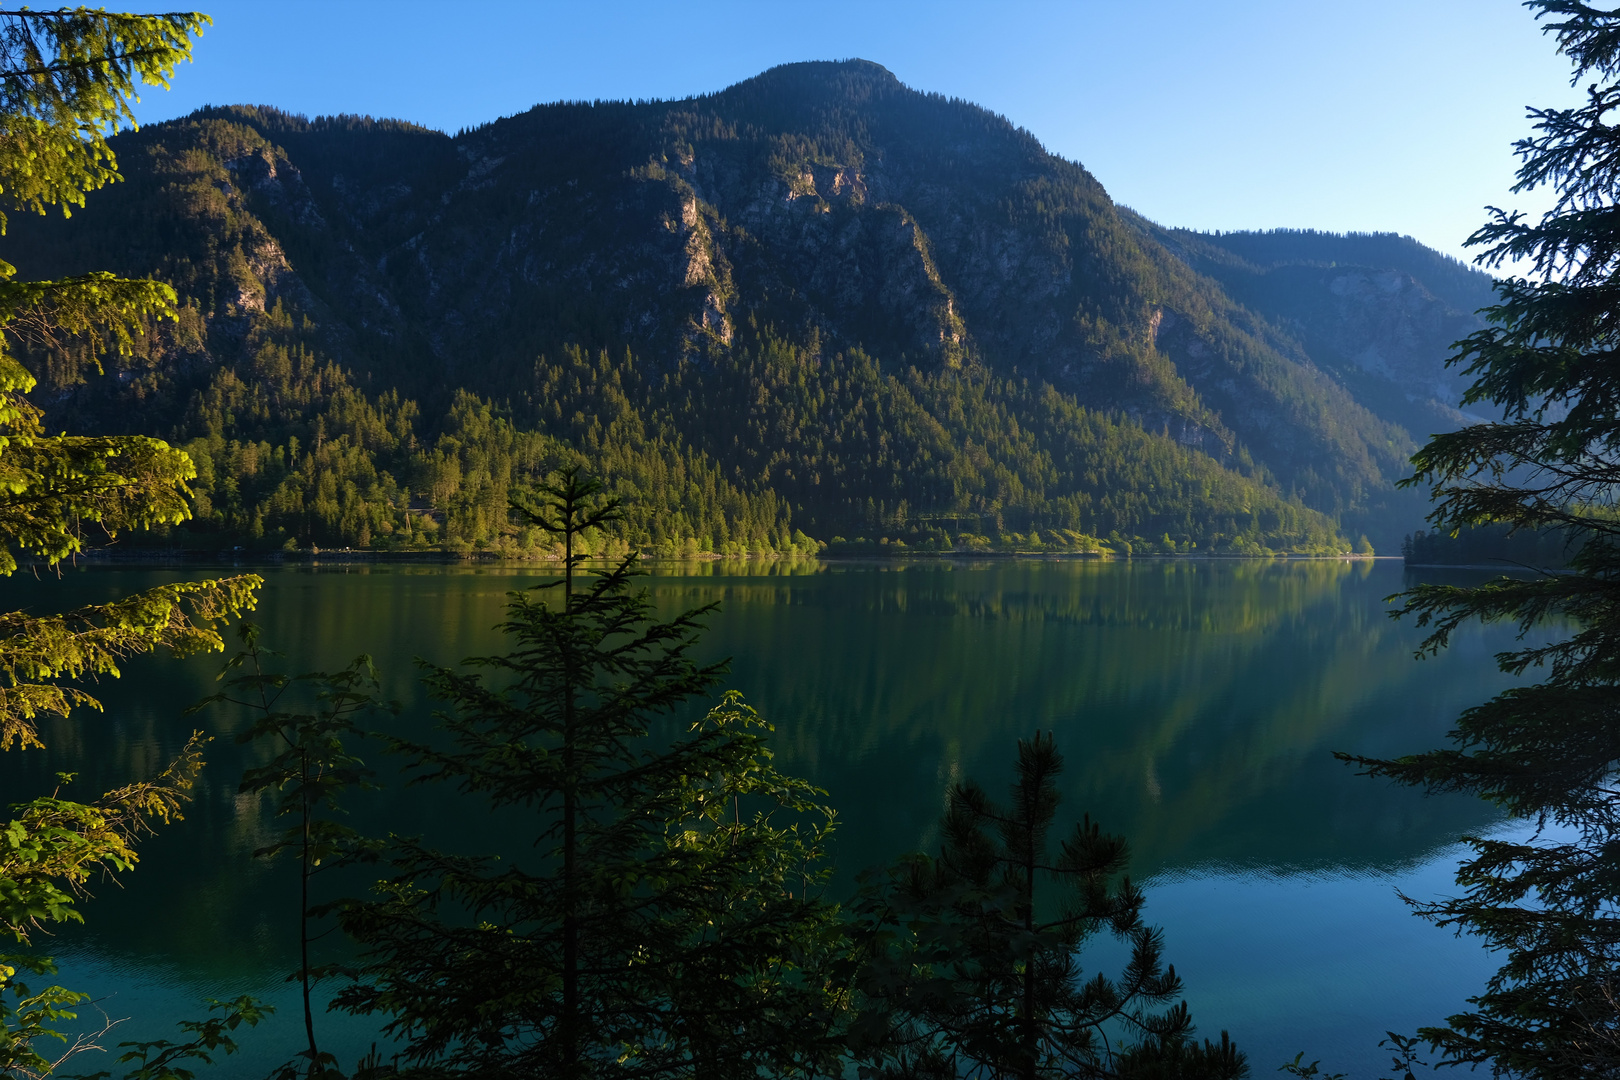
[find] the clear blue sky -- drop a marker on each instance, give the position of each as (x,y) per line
(1387,115)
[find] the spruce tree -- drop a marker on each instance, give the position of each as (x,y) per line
(972,963)
(666,920)
(67,78)
(1546,894)
(303,721)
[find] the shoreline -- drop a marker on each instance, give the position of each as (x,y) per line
(344,555)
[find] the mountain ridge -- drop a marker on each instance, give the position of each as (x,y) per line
(824,209)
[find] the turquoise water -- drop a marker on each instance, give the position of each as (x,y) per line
(1197,704)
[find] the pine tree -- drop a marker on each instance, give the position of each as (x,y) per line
(1549,898)
(667,922)
(973,955)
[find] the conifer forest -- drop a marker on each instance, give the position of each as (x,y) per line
(794,580)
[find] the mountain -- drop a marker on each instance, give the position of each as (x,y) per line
(815,304)
(1377,311)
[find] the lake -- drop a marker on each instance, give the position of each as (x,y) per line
(1197,704)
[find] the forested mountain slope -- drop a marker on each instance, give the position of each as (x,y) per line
(1376,311)
(817,302)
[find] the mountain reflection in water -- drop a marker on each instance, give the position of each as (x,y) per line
(1196,703)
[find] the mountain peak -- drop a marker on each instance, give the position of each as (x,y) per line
(829,72)
(927,279)
(812,84)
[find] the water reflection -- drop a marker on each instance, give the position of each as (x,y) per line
(1196,703)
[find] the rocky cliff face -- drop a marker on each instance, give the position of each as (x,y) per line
(822,201)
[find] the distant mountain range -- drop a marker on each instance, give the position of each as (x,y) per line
(815,304)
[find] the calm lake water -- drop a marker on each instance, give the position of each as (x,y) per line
(1197,704)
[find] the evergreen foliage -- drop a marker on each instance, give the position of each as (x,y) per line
(211,1038)
(1488,545)
(1463,287)
(974,955)
(667,922)
(364,259)
(310,771)
(292,453)
(1376,312)
(1545,752)
(66,79)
